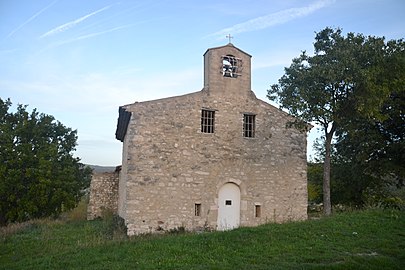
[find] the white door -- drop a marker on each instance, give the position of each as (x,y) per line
(228,207)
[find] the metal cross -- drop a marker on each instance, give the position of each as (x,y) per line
(229,37)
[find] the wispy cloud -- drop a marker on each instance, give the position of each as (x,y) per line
(66,26)
(30,19)
(275,58)
(92,34)
(86,36)
(272,19)
(82,37)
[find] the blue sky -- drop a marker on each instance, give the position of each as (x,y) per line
(80,60)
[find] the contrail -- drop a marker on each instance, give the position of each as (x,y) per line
(71,24)
(91,35)
(96,34)
(273,19)
(31,18)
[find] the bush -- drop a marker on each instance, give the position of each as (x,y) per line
(383,198)
(314,193)
(79,213)
(113,225)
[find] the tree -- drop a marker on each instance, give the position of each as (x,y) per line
(374,150)
(378,143)
(39,177)
(342,78)
(314,175)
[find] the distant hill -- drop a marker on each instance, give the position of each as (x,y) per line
(102,169)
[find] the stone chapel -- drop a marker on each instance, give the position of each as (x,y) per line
(218,159)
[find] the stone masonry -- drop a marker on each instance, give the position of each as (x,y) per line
(173,171)
(103,194)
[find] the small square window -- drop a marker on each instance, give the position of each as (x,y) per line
(228,202)
(249,125)
(207,121)
(197,209)
(258,211)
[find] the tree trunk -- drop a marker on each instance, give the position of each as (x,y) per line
(327,206)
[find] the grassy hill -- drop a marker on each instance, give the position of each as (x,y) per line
(372,239)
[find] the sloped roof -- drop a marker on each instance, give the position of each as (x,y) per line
(228,45)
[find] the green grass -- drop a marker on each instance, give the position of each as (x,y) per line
(371,239)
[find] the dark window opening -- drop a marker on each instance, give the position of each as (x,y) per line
(228,202)
(258,211)
(207,121)
(249,125)
(197,209)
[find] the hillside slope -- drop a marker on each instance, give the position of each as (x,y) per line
(372,239)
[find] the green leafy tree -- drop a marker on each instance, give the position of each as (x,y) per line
(372,148)
(341,78)
(39,177)
(374,151)
(314,175)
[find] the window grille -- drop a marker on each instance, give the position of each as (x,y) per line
(207,121)
(249,125)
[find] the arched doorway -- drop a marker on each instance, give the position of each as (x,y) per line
(228,207)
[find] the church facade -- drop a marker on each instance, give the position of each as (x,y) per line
(215,159)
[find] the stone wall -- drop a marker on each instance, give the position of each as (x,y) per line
(103,194)
(170,166)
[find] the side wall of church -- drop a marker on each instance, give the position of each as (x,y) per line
(103,194)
